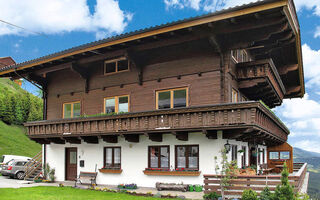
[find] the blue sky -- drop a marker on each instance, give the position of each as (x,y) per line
(56,25)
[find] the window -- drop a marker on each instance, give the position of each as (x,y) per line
(159,157)
(234,152)
(20,163)
(234,96)
(116,65)
(112,157)
(240,55)
(263,156)
(71,110)
(285,155)
(174,98)
(273,155)
(187,156)
(116,104)
(244,156)
(243,98)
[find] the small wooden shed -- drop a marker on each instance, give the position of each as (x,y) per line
(277,155)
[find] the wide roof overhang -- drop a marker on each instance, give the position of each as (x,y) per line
(266,29)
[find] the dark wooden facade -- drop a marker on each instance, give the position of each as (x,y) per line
(198,54)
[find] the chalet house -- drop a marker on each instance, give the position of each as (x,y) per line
(158,104)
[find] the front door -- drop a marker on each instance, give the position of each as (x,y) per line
(71,163)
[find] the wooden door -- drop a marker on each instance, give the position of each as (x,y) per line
(71,163)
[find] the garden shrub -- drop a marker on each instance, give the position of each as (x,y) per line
(249,195)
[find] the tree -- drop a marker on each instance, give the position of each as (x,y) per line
(227,171)
(285,190)
(266,194)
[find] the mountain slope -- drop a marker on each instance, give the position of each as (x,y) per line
(313,160)
(13,141)
(20,106)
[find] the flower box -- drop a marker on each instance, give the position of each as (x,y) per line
(110,171)
(171,173)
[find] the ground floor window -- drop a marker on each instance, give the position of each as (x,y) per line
(159,157)
(244,156)
(234,153)
(187,156)
(112,157)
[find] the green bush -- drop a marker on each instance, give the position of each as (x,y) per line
(211,196)
(249,195)
(266,194)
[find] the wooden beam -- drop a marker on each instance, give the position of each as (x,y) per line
(211,134)
(56,140)
(110,138)
(244,40)
(181,135)
(38,79)
(155,137)
(234,133)
(293,90)
(90,139)
(84,74)
(40,140)
(132,137)
(73,140)
(288,68)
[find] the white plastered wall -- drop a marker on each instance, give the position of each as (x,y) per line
(134,159)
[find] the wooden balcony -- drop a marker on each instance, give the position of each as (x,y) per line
(260,80)
(246,121)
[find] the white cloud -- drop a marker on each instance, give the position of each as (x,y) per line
(213,5)
(302,116)
(59,16)
(311,63)
(194,4)
(313,5)
(309,145)
(317,32)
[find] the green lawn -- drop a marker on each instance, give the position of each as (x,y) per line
(61,193)
(13,141)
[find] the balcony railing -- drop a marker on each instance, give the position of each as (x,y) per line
(243,116)
(261,80)
(255,182)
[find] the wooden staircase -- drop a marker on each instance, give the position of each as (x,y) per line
(33,168)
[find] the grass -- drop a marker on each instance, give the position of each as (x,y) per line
(13,141)
(61,193)
(7,84)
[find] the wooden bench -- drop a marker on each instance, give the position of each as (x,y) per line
(86,178)
(265,169)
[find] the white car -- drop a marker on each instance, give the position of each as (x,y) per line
(7,158)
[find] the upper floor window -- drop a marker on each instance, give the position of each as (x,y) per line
(116,104)
(173,98)
(112,157)
(235,96)
(159,157)
(72,109)
(187,156)
(240,55)
(116,65)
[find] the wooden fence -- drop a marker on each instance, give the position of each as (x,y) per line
(254,182)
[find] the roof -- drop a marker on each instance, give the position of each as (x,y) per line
(153,30)
(6,61)
(285,6)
